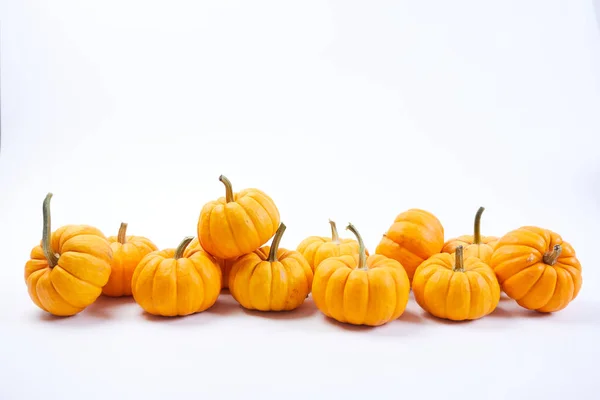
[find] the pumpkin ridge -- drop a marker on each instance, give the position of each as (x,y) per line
(533,284)
(60,294)
(153,281)
(228,224)
(32,281)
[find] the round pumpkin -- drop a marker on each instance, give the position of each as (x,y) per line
(127,253)
(360,289)
(68,269)
(473,245)
(537,268)
(271,278)
(318,248)
(238,223)
(414,236)
(224,264)
(173,282)
(452,287)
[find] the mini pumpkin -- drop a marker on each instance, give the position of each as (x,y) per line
(414,236)
(452,287)
(271,278)
(360,289)
(68,269)
(318,248)
(225,265)
(173,282)
(473,245)
(238,223)
(127,253)
(537,268)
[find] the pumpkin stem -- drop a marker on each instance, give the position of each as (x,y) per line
(51,257)
(458,260)
(182,246)
(275,243)
(228,188)
(122,233)
(551,257)
(362,255)
(335,238)
(477,226)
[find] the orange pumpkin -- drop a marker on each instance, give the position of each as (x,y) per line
(174,282)
(473,245)
(318,248)
(414,236)
(537,268)
(225,265)
(238,223)
(361,290)
(271,278)
(127,253)
(68,269)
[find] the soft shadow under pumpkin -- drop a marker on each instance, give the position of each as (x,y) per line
(305,310)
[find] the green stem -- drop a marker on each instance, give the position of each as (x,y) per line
(182,246)
(228,188)
(551,257)
(275,243)
(477,226)
(122,233)
(334,233)
(47,233)
(362,254)
(458,260)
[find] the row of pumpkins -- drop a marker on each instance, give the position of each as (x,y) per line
(459,279)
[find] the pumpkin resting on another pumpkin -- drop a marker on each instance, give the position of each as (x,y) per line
(271,278)
(361,290)
(414,236)
(537,268)
(474,245)
(68,269)
(174,282)
(318,248)
(225,265)
(238,223)
(452,287)
(128,251)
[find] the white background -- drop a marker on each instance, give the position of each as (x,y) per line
(355,111)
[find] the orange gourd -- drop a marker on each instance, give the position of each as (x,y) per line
(224,264)
(127,253)
(473,245)
(271,278)
(238,223)
(361,290)
(318,248)
(452,287)
(537,268)
(68,269)
(414,236)
(176,282)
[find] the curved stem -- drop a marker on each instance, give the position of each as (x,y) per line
(182,246)
(551,257)
(362,254)
(477,226)
(228,188)
(275,243)
(47,233)
(458,260)
(122,233)
(334,233)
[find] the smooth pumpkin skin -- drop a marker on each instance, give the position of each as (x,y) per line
(457,295)
(224,264)
(370,292)
(271,278)
(238,223)
(474,245)
(518,261)
(318,248)
(128,251)
(414,236)
(167,285)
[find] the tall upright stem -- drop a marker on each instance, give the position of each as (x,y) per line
(551,257)
(362,254)
(182,246)
(275,243)
(47,233)
(335,237)
(458,260)
(122,233)
(477,226)
(228,188)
